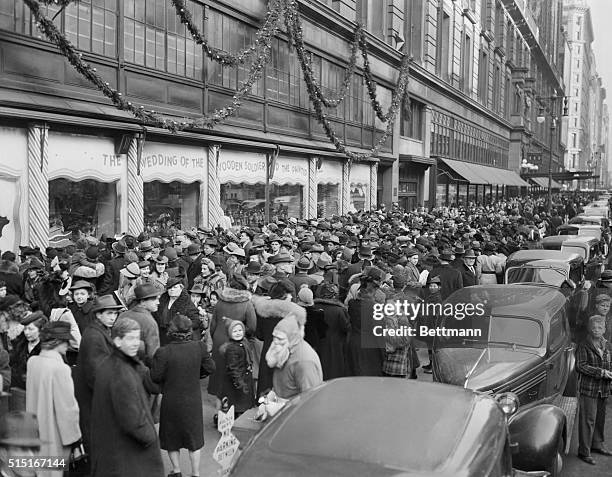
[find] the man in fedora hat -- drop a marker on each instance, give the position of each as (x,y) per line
(96,345)
(112,273)
(468,268)
(194,251)
(365,259)
(301,277)
(146,303)
(19,438)
(253,273)
(450,278)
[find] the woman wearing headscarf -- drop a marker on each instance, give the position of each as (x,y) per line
(178,368)
(50,395)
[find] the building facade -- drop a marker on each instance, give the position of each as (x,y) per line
(586,136)
(479,70)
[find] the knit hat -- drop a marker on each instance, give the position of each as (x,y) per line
(231,324)
(305,297)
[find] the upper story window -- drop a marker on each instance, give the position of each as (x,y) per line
(154,37)
(91,25)
(411,120)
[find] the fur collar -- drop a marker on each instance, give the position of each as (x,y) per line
(328,301)
(232,295)
(9,267)
(266,307)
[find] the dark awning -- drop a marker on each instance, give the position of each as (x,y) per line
(428,161)
(479,174)
(543,182)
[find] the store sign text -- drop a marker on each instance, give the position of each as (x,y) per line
(162,160)
(112,160)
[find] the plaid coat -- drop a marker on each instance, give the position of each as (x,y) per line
(590,366)
(397,360)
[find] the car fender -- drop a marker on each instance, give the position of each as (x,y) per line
(537,430)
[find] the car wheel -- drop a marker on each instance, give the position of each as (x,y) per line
(557,465)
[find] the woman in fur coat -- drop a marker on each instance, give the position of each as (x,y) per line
(235,304)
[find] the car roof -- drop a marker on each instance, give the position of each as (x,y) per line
(550,263)
(536,301)
(581,240)
(539,254)
(376,426)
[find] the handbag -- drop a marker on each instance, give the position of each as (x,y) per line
(78,462)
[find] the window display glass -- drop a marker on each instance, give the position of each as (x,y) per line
(358,196)
(328,200)
(86,205)
(245,204)
(171,204)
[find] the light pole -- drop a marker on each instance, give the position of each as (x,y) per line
(553,125)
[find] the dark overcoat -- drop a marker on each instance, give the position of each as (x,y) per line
(362,361)
(96,345)
(333,346)
(184,306)
(124,441)
(82,314)
(178,368)
(238,376)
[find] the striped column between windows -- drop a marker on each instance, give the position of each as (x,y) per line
(38,185)
(215,213)
(135,191)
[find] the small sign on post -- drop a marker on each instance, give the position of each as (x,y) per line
(227,446)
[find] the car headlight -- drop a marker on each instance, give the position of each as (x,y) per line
(509,403)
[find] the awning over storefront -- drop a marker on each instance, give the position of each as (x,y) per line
(543,182)
(479,174)
(427,161)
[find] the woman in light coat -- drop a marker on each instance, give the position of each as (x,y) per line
(50,395)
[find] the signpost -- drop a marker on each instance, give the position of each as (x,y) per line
(227,446)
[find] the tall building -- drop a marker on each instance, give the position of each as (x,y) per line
(481,72)
(586,137)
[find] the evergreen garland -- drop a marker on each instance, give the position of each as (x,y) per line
(262,48)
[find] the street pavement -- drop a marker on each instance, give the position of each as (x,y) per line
(572,466)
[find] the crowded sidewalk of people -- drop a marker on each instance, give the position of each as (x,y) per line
(127,326)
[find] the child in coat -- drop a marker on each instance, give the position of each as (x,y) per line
(238,379)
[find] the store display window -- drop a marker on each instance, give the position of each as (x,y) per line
(87,205)
(169,204)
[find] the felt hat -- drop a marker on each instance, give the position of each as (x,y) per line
(469,253)
(280,258)
(105,302)
(304,263)
(253,267)
(146,290)
(81,284)
(131,270)
(56,330)
(197,289)
(305,297)
(365,251)
(173,282)
(234,249)
(193,249)
(119,247)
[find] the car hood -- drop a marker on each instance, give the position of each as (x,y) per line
(482,369)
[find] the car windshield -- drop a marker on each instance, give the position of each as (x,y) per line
(550,276)
(574,249)
(491,331)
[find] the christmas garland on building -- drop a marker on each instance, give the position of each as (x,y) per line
(295,31)
(263,36)
(262,47)
(149,117)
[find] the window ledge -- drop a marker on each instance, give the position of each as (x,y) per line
(469,14)
(487,35)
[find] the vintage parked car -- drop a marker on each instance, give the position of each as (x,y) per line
(396,427)
(560,270)
(592,251)
(524,347)
(554,242)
